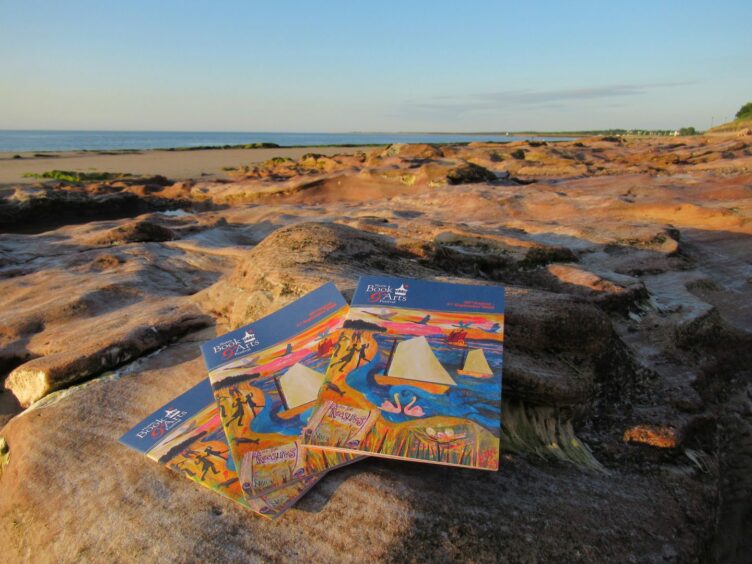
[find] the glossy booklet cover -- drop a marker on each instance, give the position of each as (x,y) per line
(416,374)
(186,435)
(266,377)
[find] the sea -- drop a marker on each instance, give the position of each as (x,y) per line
(37,140)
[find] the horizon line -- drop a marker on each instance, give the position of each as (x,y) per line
(351,132)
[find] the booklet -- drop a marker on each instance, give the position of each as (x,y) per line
(266,377)
(416,374)
(186,435)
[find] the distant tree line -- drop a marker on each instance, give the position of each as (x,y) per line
(688,131)
(745,112)
(594,132)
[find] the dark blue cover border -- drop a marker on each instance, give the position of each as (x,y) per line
(274,328)
(387,291)
(169,417)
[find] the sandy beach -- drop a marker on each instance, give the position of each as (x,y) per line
(206,164)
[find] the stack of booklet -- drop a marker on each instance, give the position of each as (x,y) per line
(410,370)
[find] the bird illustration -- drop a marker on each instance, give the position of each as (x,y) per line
(386,315)
(334,388)
(463,325)
(244,441)
(424,321)
(410,409)
(494,328)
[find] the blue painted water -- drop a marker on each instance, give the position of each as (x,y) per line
(268,419)
(17,140)
(477,399)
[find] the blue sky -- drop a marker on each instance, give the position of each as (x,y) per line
(372,66)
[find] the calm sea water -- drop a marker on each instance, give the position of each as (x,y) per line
(15,140)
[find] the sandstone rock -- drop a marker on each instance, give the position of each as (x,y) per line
(50,206)
(117,340)
(412,151)
(617,292)
(660,437)
(304,256)
(554,322)
(628,307)
(86,496)
(470,174)
(74,314)
(135,232)
(35,209)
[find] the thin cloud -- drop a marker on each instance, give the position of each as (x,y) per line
(537,98)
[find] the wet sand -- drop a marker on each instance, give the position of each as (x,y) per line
(205,164)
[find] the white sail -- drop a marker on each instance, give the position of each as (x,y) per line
(414,360)
(300,385)
(476,362)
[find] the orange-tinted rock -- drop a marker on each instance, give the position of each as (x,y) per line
(135,232)
(661,437)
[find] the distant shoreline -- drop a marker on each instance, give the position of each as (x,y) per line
(51,153)
(39,141)
(199,164)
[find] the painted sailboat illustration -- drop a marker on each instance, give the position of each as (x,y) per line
(476,365)
(413,363)
(298,388)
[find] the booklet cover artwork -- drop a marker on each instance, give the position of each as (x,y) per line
(416,374)
(186,435)
(266,378)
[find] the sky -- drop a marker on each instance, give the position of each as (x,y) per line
(340,66)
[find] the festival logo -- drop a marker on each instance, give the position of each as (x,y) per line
(159,427)
(385,294)
(250,339)
(232,348)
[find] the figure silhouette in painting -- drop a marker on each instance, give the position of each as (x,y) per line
(210,451)
(239,412)
(251,403)
(424,321)
(347,357)
(340,344)
(288,350)
(362,354)
(180,468)
(206,465)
